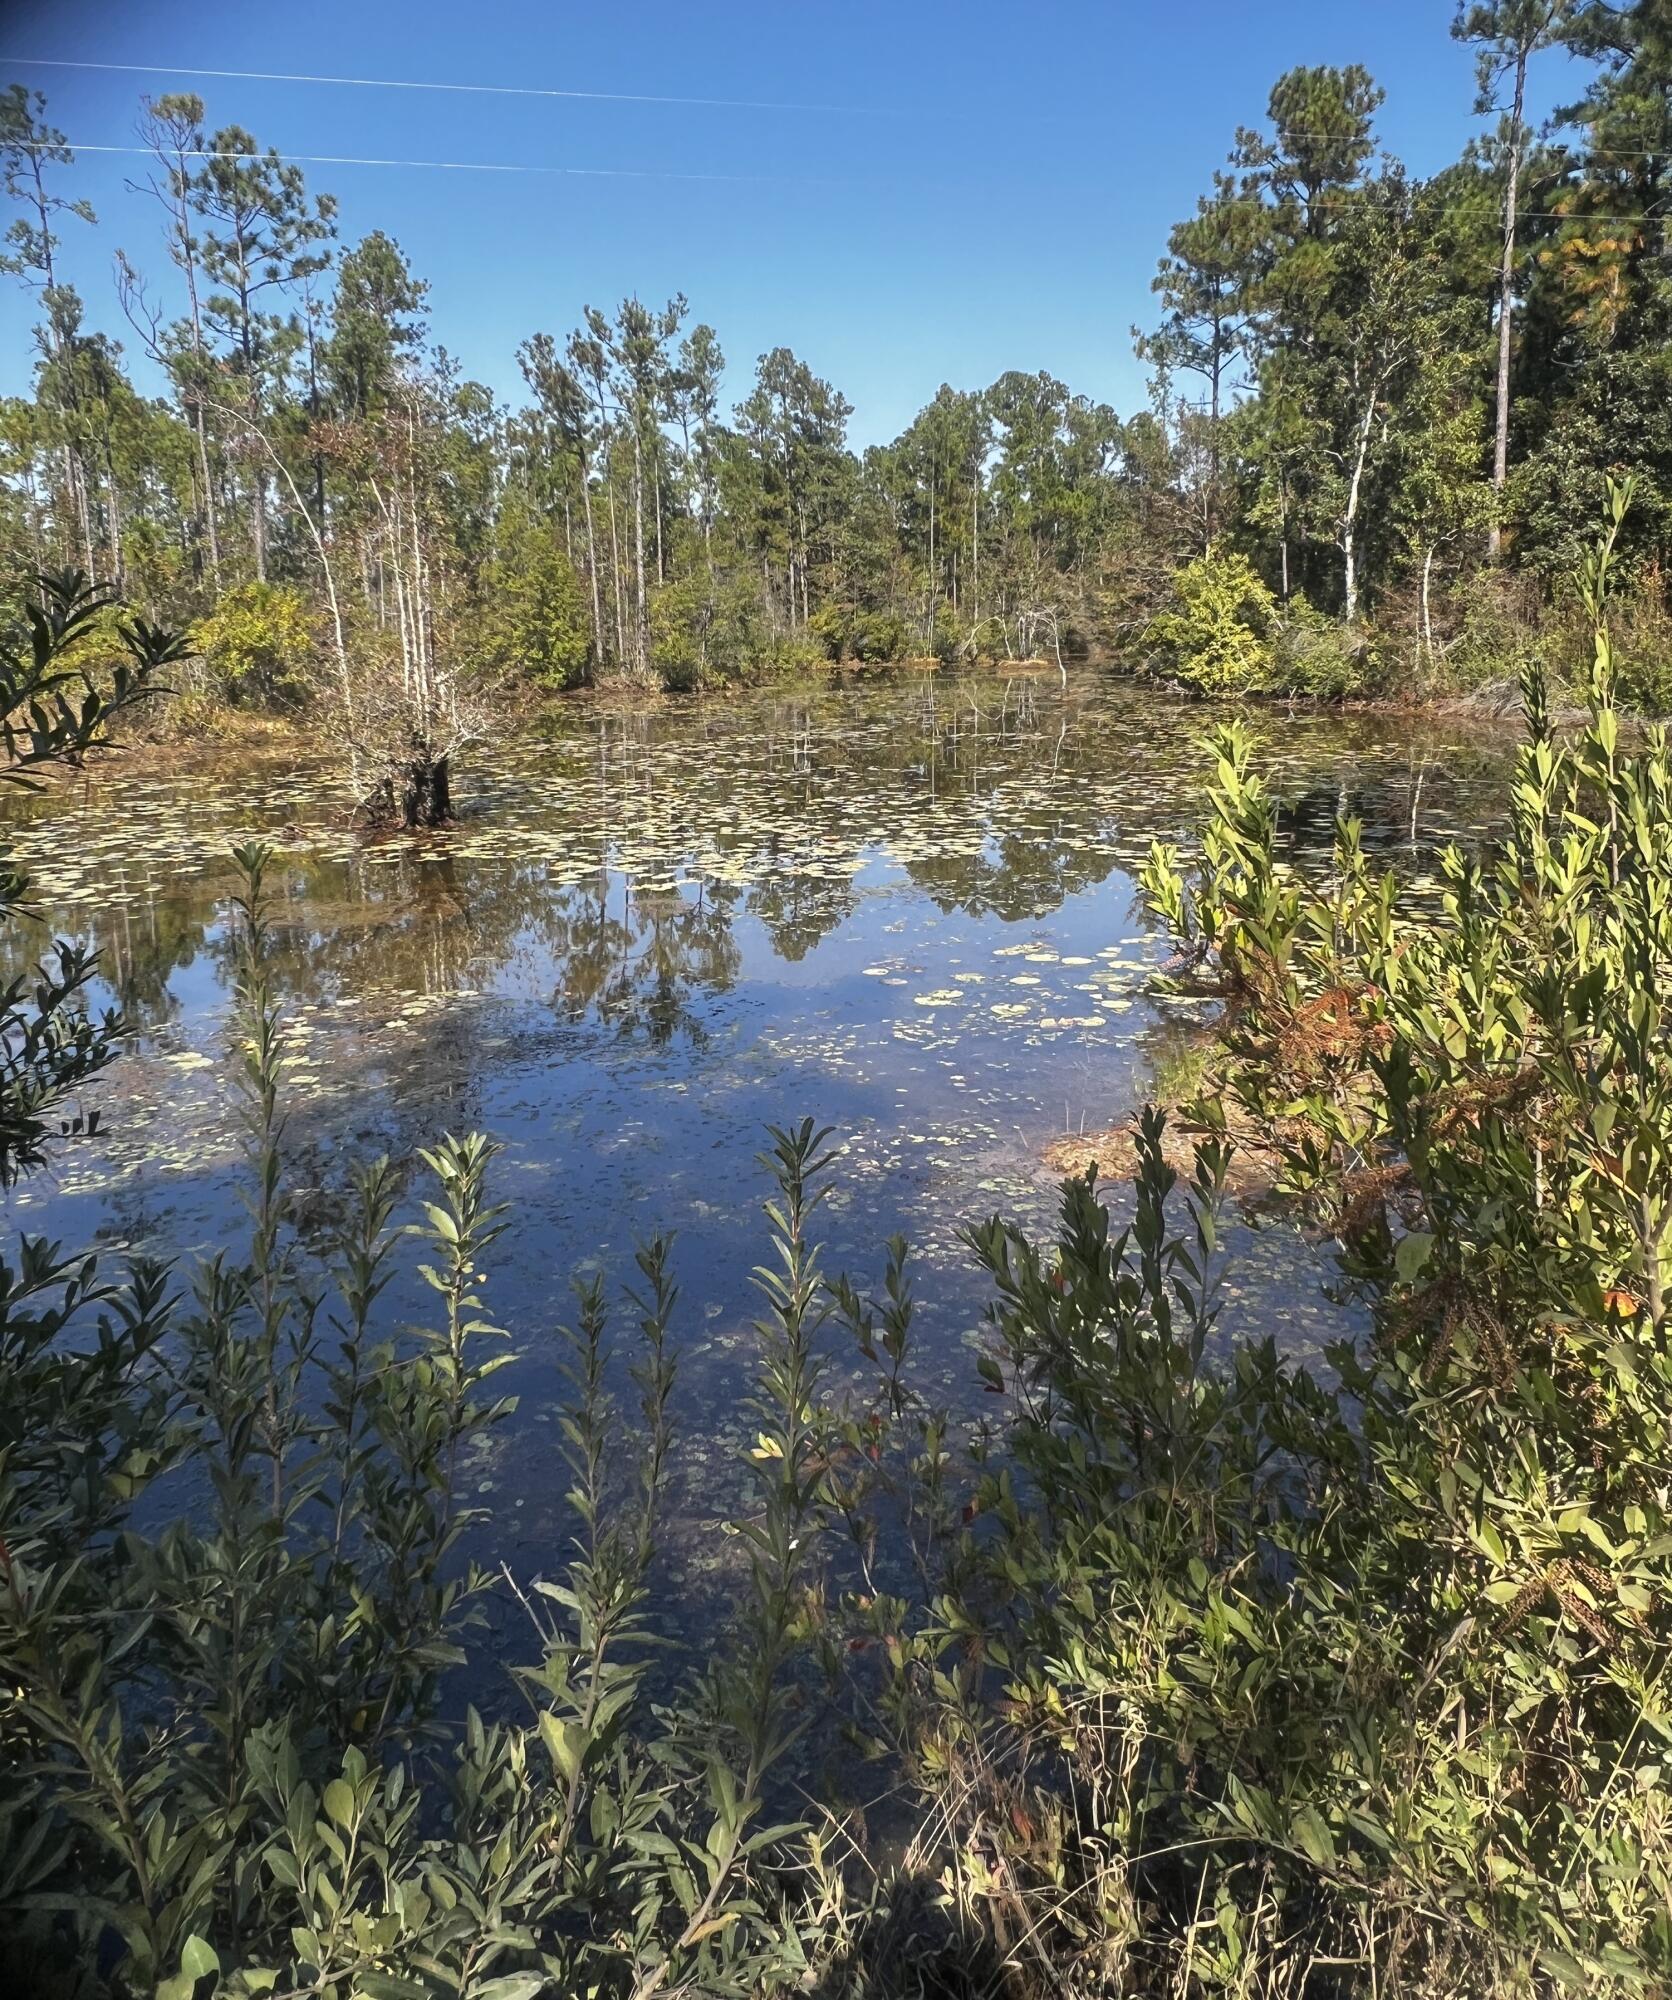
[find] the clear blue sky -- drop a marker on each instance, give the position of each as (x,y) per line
(990,190)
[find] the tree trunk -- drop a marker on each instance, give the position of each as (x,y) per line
(931,548)
(641,624)
(592,560)
(615,577)
(84,510)
(114,502)
(209,521)
(656,474)
(1506,306)
(1350,519)
(426,791)
(1427,620)
(258,476)
(1283,534)
(975,546)
(258,518)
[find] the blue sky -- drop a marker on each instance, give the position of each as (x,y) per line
(987,187)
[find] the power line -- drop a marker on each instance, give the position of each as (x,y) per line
(1582,153)
(482,167)
(673,174)
(624,96)
(468,89)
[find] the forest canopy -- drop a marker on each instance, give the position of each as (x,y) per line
(1393,401)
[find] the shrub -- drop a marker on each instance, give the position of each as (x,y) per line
(708,630)
(1317,656)
(257,644)
(537,620)
(1643,642)
(1467,1601)
(226,1765)
(849,633)
(1217,636)
(1499,635)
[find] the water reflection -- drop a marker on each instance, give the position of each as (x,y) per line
(904,906)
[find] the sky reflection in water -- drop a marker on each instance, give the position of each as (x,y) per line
(903,907)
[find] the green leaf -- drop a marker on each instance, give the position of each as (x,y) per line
(1410,1258)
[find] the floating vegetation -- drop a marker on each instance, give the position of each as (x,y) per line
(903,905)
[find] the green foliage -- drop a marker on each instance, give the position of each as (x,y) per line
(850,633)
(1317,656)
(1216,638)
(536,615)
(54,710)
(1477,1572)
(710,630)
(1206,1672)
(225,1750)
(258,643)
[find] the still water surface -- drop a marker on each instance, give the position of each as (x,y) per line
(904,907)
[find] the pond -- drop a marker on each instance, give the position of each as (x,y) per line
(902,906)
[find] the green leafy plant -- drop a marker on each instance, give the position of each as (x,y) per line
(258,643)
(1476,1101)
(1216,638)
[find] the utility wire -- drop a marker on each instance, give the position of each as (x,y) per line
(621,97)
(479,166)
(672,174)
(472,89)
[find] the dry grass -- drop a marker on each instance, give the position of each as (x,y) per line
(1113,1151)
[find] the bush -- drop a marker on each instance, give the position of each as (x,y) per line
(1317,656)
(1499,637)
(1217,637)
(226,1765)
(258,643)
(1457,1582)
(710,630)
(1643,628)
(707,630)
(537,618)
(849,633)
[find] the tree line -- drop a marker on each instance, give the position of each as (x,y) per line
(1390,402)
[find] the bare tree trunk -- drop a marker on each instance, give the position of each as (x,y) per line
(615,577)
(592,559)
(656,473)
(84,510)
(258,519)
(114,502)
(641,625)
(932,578)
(1283,532)
(186,253)
(34,516)
(1427,619)
(1350,519)
(252,417)
(1506,309)
(975,545)
(210,524)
